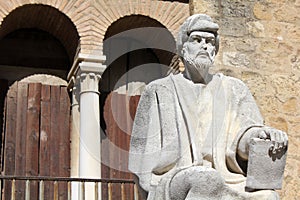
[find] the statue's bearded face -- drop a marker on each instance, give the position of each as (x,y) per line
(199,53)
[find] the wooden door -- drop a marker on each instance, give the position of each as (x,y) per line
(119,124)
(36,136)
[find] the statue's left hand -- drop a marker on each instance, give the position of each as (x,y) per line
(279,138)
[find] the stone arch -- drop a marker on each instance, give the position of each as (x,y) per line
(45,18)
(44,79)
(136,45)
(170,14)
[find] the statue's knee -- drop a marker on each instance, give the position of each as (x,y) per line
(195,181)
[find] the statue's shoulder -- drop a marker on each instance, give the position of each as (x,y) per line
(232,81)
(161,84)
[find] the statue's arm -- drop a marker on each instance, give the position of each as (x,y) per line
(250,113)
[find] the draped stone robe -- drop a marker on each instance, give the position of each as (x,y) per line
(179,124)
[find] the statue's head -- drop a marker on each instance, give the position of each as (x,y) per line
(197,22)
(197,44)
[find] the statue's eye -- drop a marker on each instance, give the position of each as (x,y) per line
(211,41)
(196,39)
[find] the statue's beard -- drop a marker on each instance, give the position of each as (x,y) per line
(198,66)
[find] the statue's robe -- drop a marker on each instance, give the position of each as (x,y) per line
(180,124)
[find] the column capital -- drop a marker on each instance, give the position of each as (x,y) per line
(87,77)
(89,82)
(87,62)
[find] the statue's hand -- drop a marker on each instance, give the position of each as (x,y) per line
(279,138)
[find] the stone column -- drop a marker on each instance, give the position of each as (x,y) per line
(75,133)
(90,141)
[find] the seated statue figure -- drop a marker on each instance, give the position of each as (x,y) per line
(192,130)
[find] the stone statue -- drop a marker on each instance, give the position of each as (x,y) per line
(193,131)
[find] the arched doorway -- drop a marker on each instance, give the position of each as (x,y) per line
(34,39)
(138,50)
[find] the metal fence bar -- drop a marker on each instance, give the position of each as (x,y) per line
(65,179)
(57,180)
(82,191)
(136,192)
(55,191)
(1,189)
(122,191)
(41,190)
(109,191)
(69,190)
(13,190)
(97,191)
(27,190)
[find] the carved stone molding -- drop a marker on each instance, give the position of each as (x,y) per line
(89,82)
(75,89)
(90,63)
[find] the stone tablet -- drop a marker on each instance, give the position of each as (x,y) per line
(265,169)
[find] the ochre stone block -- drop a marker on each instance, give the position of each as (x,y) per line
(262,11)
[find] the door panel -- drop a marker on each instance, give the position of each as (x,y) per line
(119,112)
(36,136)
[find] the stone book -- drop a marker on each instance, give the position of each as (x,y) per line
(265,169)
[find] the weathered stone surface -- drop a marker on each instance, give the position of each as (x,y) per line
(209,7)
(277,122)
(236,8)
(291,106)
(254,78)
(245,45)
(256,29)
(285,87)
(274,30)
(295,61)
(236,59)
(292,32)
(262,11)
(269,46)
(233,27)
(282,16)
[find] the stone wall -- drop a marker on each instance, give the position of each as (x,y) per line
(260,44)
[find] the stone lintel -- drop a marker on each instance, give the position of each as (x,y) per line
(87,67)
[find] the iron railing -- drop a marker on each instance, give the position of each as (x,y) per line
(98,185)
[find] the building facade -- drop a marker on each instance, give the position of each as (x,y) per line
(102,53)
